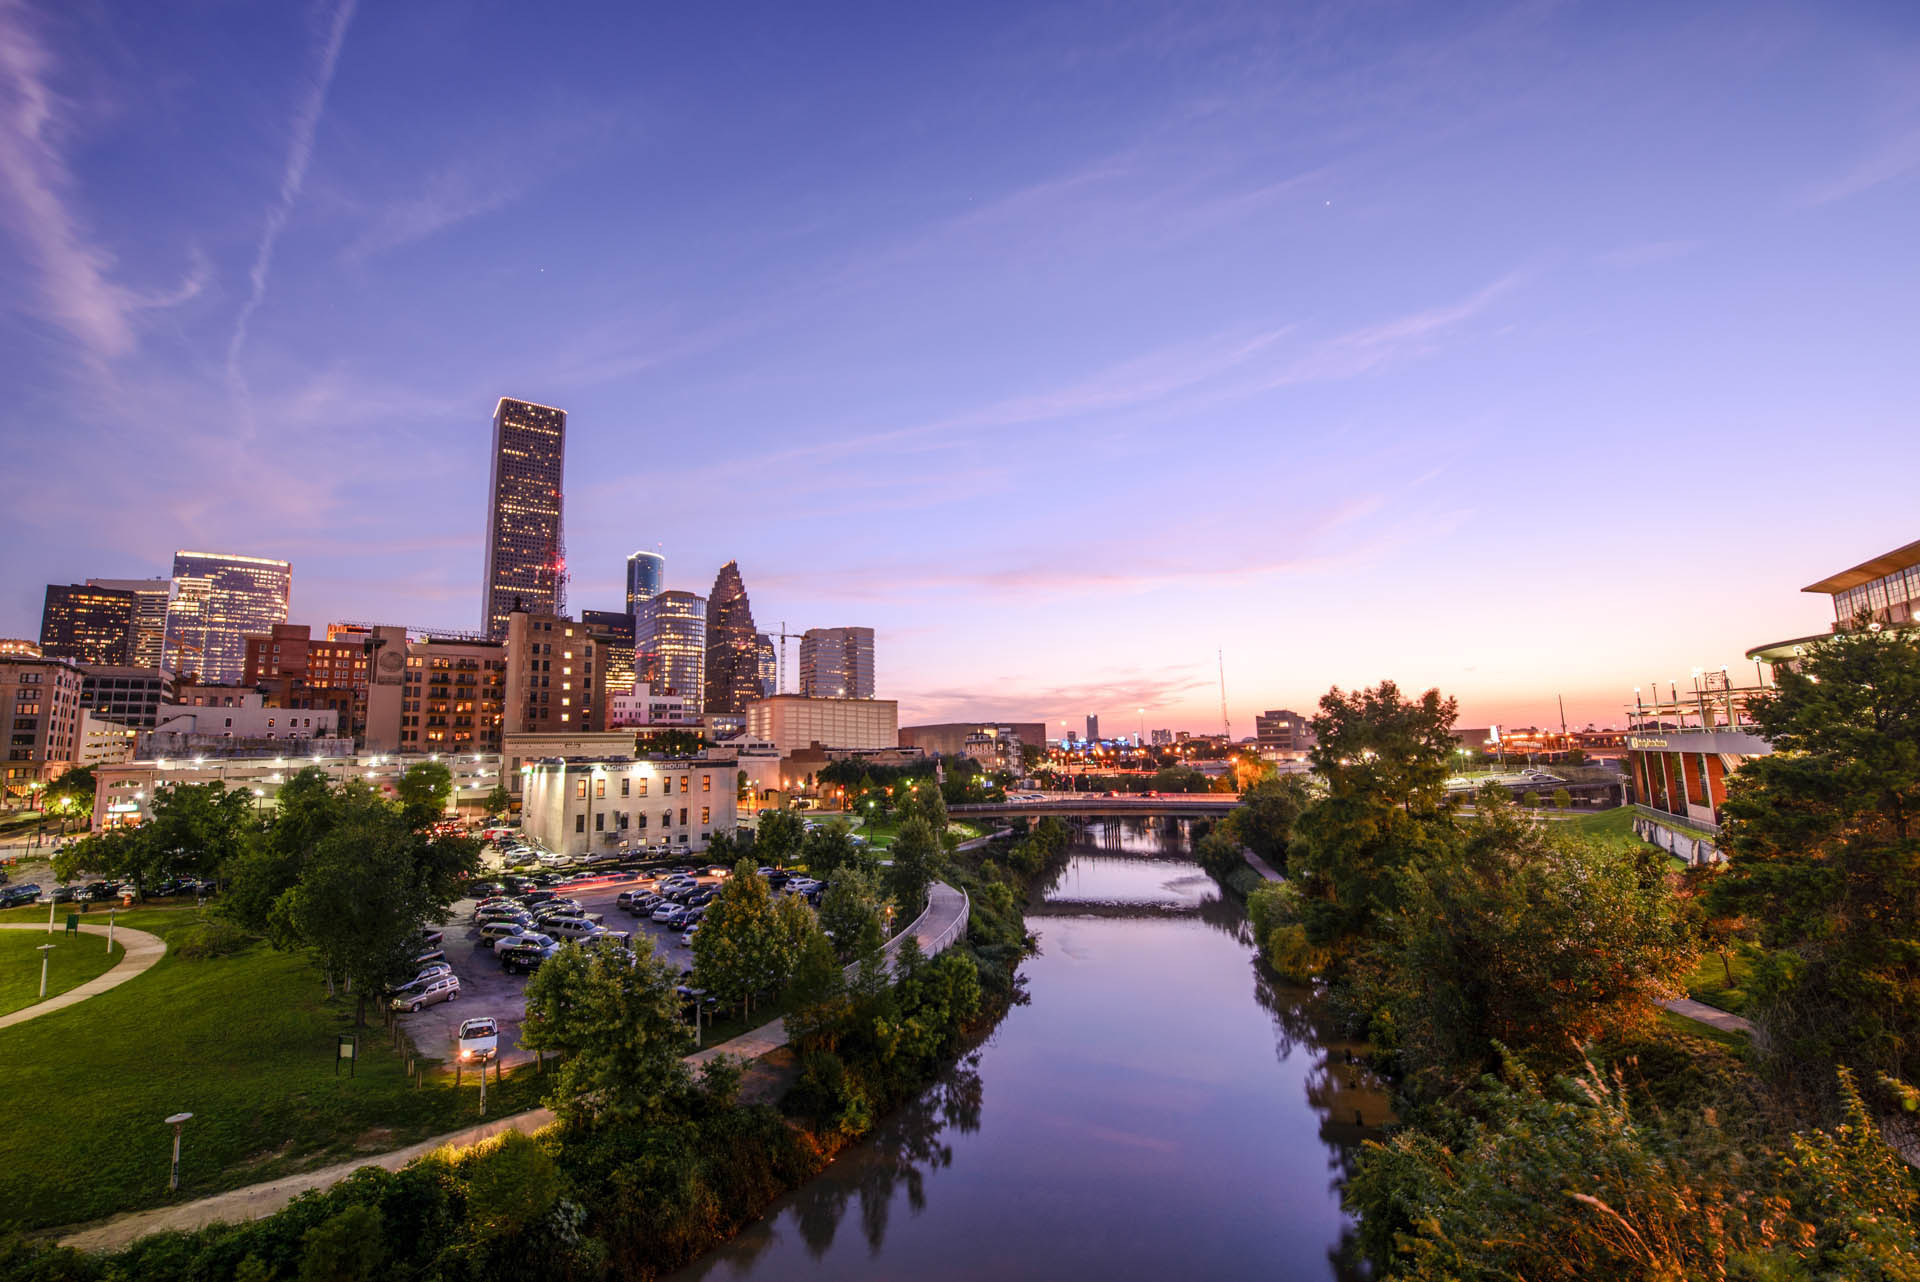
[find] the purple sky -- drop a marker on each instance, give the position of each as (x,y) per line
(1518,349)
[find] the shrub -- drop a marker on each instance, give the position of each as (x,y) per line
(217,938)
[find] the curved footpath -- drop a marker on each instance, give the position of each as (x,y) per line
(943,922)
(142,951)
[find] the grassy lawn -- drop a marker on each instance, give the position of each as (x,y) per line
(1682,1025)
(245,1043)
(75,961)
(1708,983)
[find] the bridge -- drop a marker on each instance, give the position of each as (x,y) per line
(1093,805)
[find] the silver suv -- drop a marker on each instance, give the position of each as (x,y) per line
(441,988)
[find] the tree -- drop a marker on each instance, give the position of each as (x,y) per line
(671,743)
(926,801)
(499,801)
(779,837)
(1385,761)
(1562,799)
(916,854)
(741,949)
(371,883)
(1530,799)
(828,849)
(1534,942)
(193,830)
(1267,815)
(304,811)
(71,795)
(817,995)
(425,791)
(1823,838)
(850,903)
(619,1024)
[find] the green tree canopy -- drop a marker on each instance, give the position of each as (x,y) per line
(742,948)
(779,837)
(425,790)
(851,902)
(1825,856)
(916,853)
(1384,759)
(620,1027)
(193,829)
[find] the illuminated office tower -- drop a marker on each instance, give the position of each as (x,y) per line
(525,566)
(670,644)
(837,663)
(768,663)
(92,625)
(150,600)
(733,656)
(219,600)
(646,571)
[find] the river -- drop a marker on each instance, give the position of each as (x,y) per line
(1157,1109)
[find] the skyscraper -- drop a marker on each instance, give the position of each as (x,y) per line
(733,660)
(646,571)
(219,600)
(768,664)
(837,663)
(150,600)
(1093,727)
(670,644)
(524,561)
(612,633)
(93,625)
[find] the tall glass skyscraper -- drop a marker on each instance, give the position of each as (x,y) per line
(768,664)
(646,572)
(733,654)
(670,644)
(93,625)
(219,600)
(524,560)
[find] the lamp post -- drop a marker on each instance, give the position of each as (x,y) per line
(176,1122)
(46,955)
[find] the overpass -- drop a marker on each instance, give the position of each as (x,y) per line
(1093,805)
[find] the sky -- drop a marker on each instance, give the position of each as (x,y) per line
(1525,350)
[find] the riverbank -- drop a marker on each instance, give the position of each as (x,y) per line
(645,1194)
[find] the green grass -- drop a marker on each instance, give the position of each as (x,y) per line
(244,1043)
(1682,1025)
(1708,983)
(1607,827)
(74,961)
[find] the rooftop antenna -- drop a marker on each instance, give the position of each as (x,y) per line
(1226,726)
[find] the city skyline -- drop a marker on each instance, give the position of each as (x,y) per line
(1443,380)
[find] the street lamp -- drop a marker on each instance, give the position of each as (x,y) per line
(46,955)
(176,1122)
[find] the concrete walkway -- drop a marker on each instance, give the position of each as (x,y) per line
(257,1201)
(142,951)
(1711,1016)
(1260,865)
(936,928)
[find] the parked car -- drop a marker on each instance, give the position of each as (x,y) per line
(686,939)
(573,928)
(62,895)
(429,956)
(524,957)
(432,936)
(663,911)
(676,918)
(494,931)
(478,1039)
(25,893)
(444,988)
(433,970)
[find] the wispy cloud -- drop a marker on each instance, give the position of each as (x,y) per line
(76,282)
(306,122)
(1894,157)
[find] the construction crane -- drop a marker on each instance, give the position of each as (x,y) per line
(1226,725)
(780,673)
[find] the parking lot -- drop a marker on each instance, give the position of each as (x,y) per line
(486,989)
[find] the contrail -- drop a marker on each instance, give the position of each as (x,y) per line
(305,122)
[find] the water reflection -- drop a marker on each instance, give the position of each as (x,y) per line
(1146,1121)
